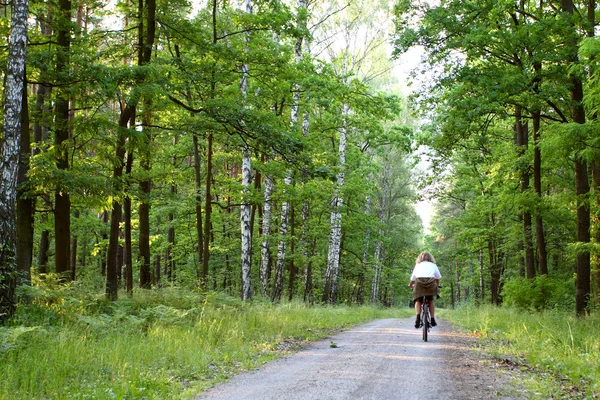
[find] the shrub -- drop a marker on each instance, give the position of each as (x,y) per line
(539,293)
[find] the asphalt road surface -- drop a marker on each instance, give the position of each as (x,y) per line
(384,359)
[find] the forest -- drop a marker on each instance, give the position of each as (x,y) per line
(512,131)
(186,187)
(271,149)
(258,149)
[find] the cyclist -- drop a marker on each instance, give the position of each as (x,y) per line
(424,281)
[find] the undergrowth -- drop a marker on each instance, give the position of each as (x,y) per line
(168,343)
(560,352)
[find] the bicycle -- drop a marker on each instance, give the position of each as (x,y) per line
(425,317)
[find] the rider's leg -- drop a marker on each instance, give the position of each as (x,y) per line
(418,311)
(418,307)
(432,313)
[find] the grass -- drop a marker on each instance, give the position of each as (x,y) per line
(167,343)
(561,352)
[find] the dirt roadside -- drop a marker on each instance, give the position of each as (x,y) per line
(384,359)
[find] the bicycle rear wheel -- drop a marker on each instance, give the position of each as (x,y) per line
(425,321)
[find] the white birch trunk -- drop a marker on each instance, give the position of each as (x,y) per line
(283,228)
(13,106)
(245,207)
(245,226)
(266,232)
(285,208)
(335,236)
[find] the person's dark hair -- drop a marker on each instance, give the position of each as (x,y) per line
(425,256)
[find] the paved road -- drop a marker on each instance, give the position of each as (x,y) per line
(385,359)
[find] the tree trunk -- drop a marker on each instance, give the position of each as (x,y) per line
(144,206)
(303,47)
(209,154)
(522,136)
(255,207)
(25,202)
(171,233)
(582,186)
(170,262)
(265,254)
(145,153)
(207,209)
(292,264)
(40,136)
(495,269)
(295,112)
(198,182)
(62,201)
(13,107)
(595,167)
(283,228)
(537,177)
(128,242)
(144,236)
(333,256)
(245,208)
(245,227)
(112,285)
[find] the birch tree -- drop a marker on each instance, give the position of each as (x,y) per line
(13,107)
(245,208)
(294,117)
(360,32)
(335,236)
(265,255)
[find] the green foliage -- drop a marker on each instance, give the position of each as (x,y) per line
(168,343)
(539,293)
(495,66)
(559,352)
(189,89)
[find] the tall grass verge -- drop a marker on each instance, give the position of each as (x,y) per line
(562,351)
(167,343)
